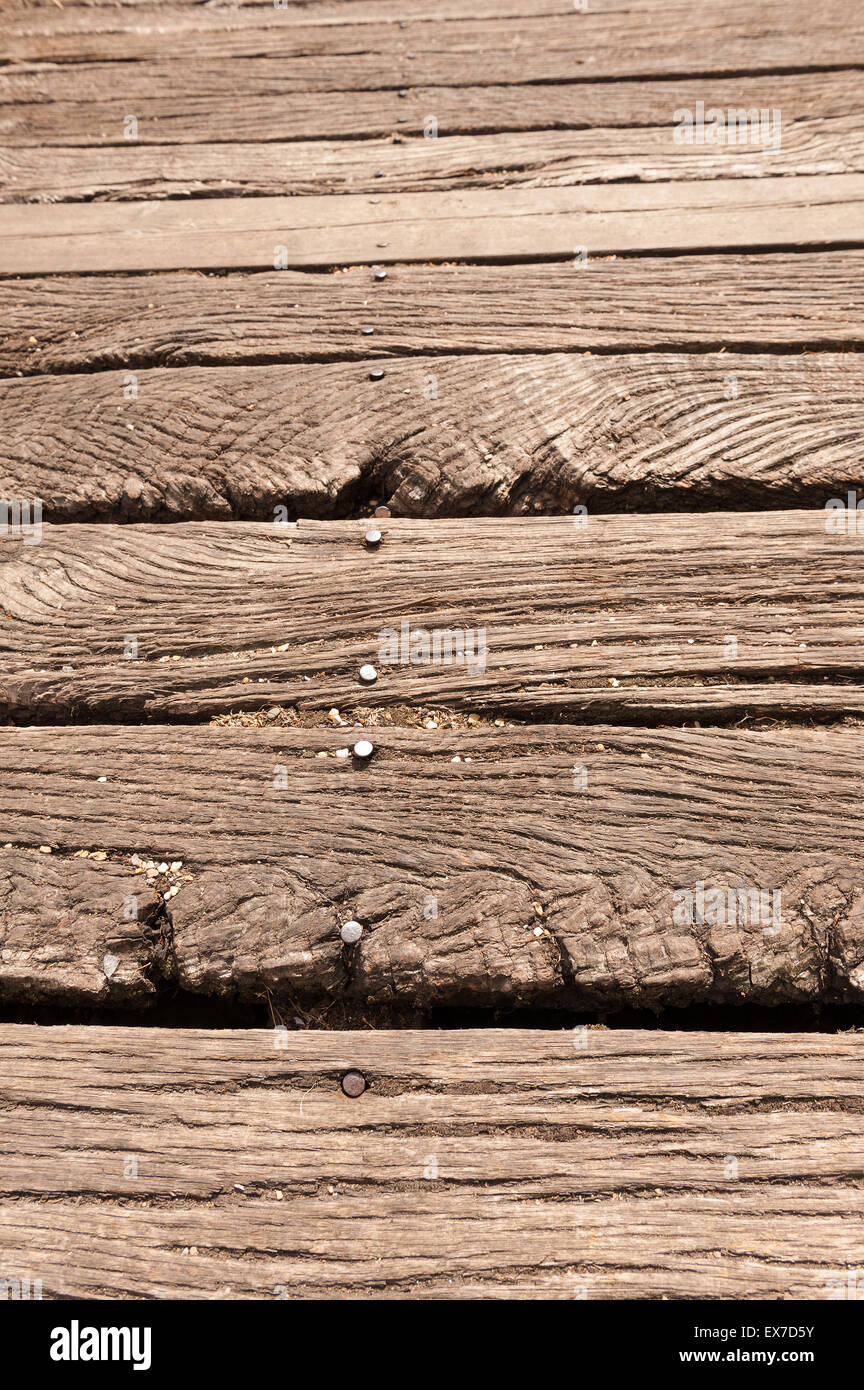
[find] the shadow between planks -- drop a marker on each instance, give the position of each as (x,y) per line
(478,1164)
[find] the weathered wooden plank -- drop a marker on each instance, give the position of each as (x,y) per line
(474,224)
(436,436)
(532,159)
(777,1242)
(64,935)
(546,47)
(238,102)
(70,323)
(590,868)
(77,16)
(593,1165)
(624,617)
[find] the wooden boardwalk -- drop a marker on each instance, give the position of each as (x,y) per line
(274,276)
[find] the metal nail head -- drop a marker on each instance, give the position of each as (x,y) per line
(368,675)
(376,373)
(353,1084)
(372,539)
(351,933)
(364,749)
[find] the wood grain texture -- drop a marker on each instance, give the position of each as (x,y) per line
(471,224)
(436,436)
(41,17)
(487,1164)
(254,101)
(628,42)
(667,617)
(208,106)
(549,866)
(70,323)
(529,159)
(64,934)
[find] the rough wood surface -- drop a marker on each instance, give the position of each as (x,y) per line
(549,865)
(527,159)
(64,936)
(469,224)
(621,617)
(625,42)
(483,1164)
(237,102)
(436,436)
(71,323)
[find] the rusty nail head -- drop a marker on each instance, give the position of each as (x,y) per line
(353,1084)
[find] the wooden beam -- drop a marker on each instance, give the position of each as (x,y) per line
(591,868)
(436,436)
(235,102)
(474,224)
(501,47)
(477,1164)
(85,323)
(531,159)
(624,617)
